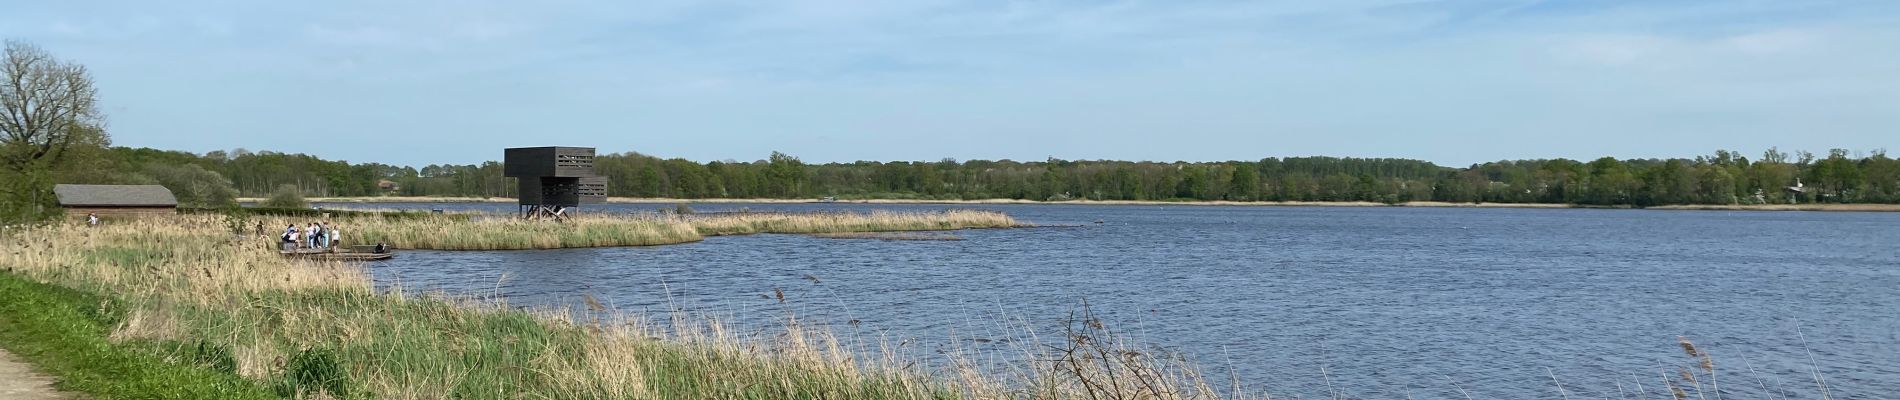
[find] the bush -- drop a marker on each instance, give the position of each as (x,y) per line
(286,196)
(314,371)
(193,185)
(214,357)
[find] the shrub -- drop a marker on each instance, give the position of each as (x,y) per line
(193,185)
(312,371)
(286,196)
(217,358)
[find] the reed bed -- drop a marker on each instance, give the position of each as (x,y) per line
(194,293)
(876,221)
(495,232)
(448,233)
(895,236)
(198,294)
(186,285)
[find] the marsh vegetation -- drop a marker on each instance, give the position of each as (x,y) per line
(243,322)
(492,232)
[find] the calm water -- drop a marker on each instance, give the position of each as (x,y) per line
(1388,301)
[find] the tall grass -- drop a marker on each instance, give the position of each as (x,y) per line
(309,328)
(189,291)
(494,232)
(514,234)
(318,329)
(876,221)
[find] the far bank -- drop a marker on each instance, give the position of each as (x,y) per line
(641,200)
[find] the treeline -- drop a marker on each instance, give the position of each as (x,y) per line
(1724,177)
(52,131)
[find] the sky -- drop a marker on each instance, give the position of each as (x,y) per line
(1453,82)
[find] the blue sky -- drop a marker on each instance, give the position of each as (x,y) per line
(1454,82)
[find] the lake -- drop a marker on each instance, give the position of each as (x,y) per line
(1372,302)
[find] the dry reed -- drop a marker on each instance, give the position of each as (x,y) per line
(185,280)
(494,232)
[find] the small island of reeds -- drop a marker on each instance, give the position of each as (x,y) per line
(499,232)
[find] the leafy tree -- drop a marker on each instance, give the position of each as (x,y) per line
(786,175)
(1245,184)
(1722,178)
(286,196)
(649,183)
(194,186)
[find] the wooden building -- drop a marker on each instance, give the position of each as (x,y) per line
(116,201)
(550,180)
(551,162)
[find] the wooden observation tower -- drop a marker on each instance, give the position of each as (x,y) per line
(553,180)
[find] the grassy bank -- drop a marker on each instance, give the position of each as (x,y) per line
(750,223)
(179,308)
(631,200)
(67,333)
(220,317)
(466,232)
(1787,207)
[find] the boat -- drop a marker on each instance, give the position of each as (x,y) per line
(352,253)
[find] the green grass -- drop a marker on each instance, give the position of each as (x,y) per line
(178,308)
(64,332)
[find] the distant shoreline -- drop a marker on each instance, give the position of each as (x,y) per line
(634,200)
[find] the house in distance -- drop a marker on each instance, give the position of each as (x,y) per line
(550,181)
(121,201)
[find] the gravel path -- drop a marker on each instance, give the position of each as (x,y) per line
(19,382)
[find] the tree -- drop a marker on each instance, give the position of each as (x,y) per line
(786,175)
(649,183)
(1245,184)
(194,186)
(47,107)
(286,196)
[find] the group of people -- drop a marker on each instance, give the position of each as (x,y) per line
(319,235)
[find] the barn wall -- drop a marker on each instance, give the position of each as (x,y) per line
(120,212)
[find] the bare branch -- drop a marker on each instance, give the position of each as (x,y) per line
(46,106)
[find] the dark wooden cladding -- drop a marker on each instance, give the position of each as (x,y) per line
(562,191)
(559,162)
(528,190)
(555,176)
(593,190)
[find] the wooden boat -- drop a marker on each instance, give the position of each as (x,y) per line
(353,253)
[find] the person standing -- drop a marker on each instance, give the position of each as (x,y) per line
(329,236)
(313,232)
(92,219)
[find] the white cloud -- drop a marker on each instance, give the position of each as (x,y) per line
(1296,76)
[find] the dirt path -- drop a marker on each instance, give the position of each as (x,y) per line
(19,382)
